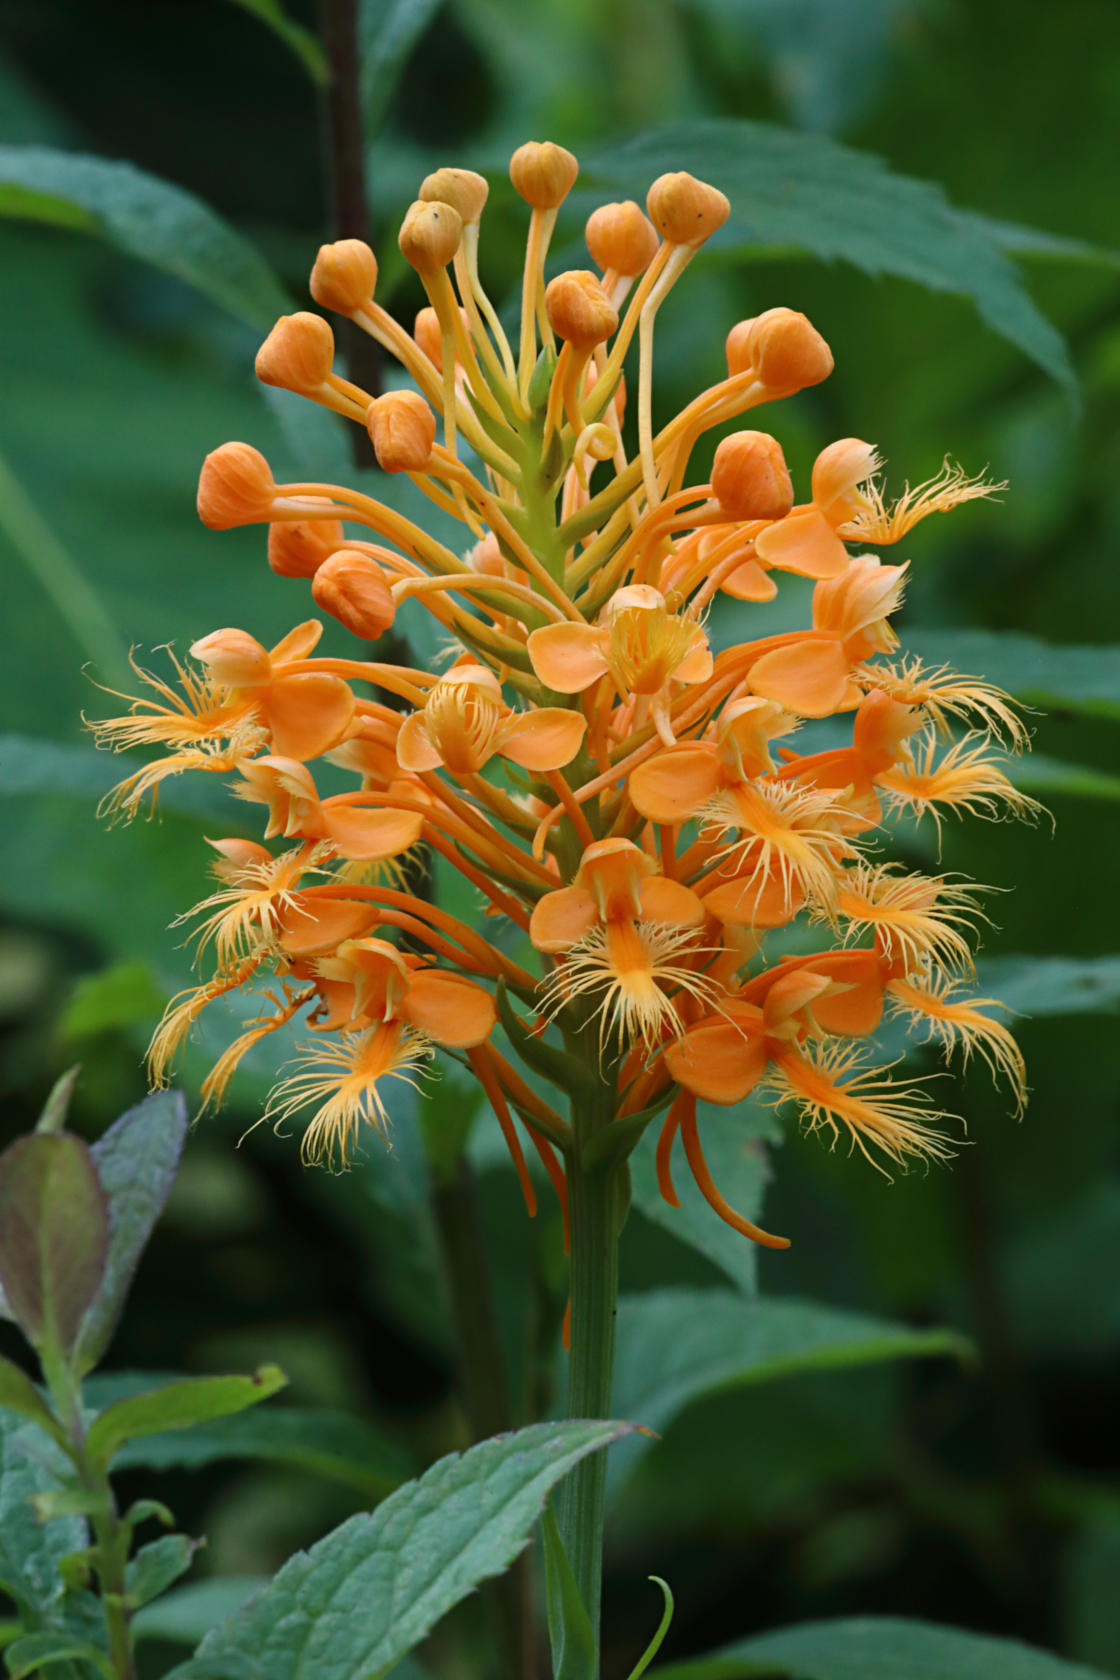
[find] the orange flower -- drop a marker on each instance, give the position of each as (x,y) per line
(465,722)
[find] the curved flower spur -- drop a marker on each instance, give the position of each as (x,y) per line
(611,781)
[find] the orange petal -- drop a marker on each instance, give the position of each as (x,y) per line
(671,787)
(810,678)
(763,903)
(749,582)
(560,919)
(663,900)
(298,643)
(718,1062)
(360,833)
(696,666)
(568,657)
(414,745)
(805,543)
(309,926)
(542,740)
(308,715)
(453,1011)
(856,1012)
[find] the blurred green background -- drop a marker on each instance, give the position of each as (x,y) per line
(985,1495)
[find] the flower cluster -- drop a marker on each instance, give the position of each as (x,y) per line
(626,799)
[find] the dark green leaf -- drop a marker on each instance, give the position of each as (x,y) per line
(136,1161)
(189,1612)
(117,997)
(34,1650)
(676,1344)
(388,31)
(178,1406)
(145,217)
(301,41)
(1087,679)
(388,1577)
(1038,774)
(19,1394)
(57,1105)
(1053,985)
(802,192)
(155,1566)
(30,1552)
(54,1233)
(878,1649)
(569,1625)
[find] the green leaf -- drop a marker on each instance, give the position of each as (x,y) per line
(570,1635)
(1086,679)
(1053,985)
(136,1161)
(57,1105)
(155,1566)
(31,765)
(734,1143)
(144,217)
(30,1552)
(675,1345)
(878,1649)
(1047,776)
(54,1234)
(117,997)
(801,192)
(178,1406)
(19,1394)
(387,32)
(663,1627)
(299,40)
(389,1576)
(25,1655)
(183,1616)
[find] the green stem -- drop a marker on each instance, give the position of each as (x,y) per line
(595,1212)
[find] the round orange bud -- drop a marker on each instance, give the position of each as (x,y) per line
(235,658)
(579,310)
(486,557)
(352,588)
(465,191)
(344,276)
(783,347)
(543,173)
(619,236)
(750,479)
(298,353)
(235,487)
(429,337)
(430,235)
(403,429)
(686,211)
(299,547)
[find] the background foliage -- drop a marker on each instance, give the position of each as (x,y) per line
(984,1494)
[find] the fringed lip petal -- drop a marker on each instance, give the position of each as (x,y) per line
(671,787)
(450,1010)
(568,657)
(812,678)
(804,543)
(544,739)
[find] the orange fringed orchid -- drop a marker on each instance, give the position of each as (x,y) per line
(620,787)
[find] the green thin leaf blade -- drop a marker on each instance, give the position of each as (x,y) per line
(177,1406)
(136,1161)
(386,1578)
(19,1394)
(147,218)
(570,1634)
(387,32)
(675,1345)
(796,191)
(54,1235)
(300,41)
(873,1648)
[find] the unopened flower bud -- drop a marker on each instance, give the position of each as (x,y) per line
(543,173)
(430,235)
(486,557)
(352,588)
(750,479)
(235,487)
(402,429)
(579,310)
(783,348)
(686,211)
(298,353)
(344,276)
(235,658)
(621,238)
(465,191)
(297,548)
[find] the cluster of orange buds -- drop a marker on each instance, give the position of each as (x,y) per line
(654,863)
